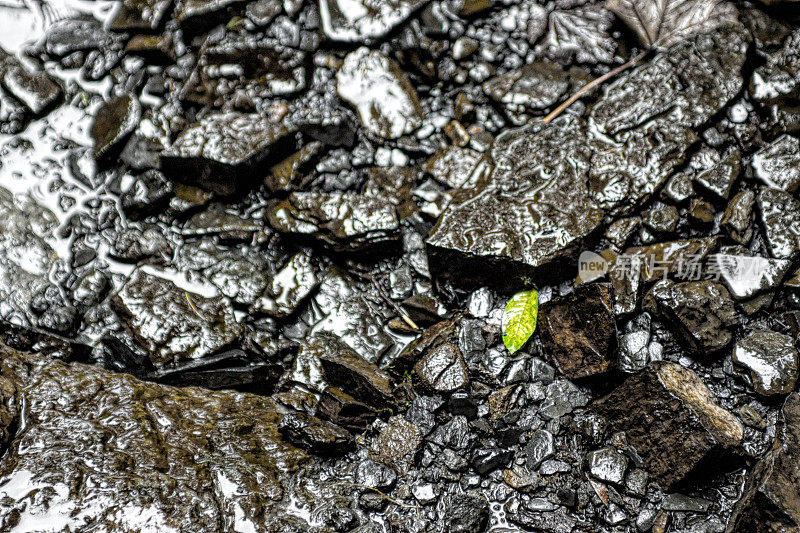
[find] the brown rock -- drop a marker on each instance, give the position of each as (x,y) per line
(578,331)
(672,420)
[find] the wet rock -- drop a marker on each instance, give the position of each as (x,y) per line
(490,459)
(607,464)
(172,324)
(70,35)
(315,435)
(675,258)
(719,180)
(37,91)
(26,259)
(701,213)
(539,448)
(224,152)
(454,434)
(578,331)
(778,80)
(661,218)
(113,123)
(633,350)
(148,439)
(747,276)
(289,287)
(155,49)
(467,514)
(397,444)
(710,61)
(780,213)
(671,418)
(262,12)
(344,368)
(770,359)
(344,410)
(149,193)
(343,221)
(776,165)
(380,92)
(364,20)
(456,167)
(533,87)
(770,497)
(370,473)
(701,313)
(140,15)
(345,310)
(737,220)
(442,369)
(561,398)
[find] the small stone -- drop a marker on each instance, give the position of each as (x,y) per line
(778,164)
(607,464)
(344,410)
(780,214)
(700,312)
(751,418)
(140,15)
(661,218)
(289,287)
(680,502)
(225,152)
(535,86)
(701,213)
(490,459)
(344,368)
(343,221)
(718,181)
(397,444)
(562,398)
(442,369)
(113,123)
(424,494)
(364,20)
(671,419)
(678,188)
(737,220)
(747,276)
(172,324)
(633,351)
(467,514)
(541,371)
(539,448)
(380,92)
(771,360)
(375,475)
(578,331)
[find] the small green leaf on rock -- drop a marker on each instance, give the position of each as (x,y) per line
(519,319)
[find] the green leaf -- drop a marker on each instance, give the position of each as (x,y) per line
(519,319)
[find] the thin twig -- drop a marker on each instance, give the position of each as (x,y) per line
(385,297)
(359,485)
(191,304)
(592,84)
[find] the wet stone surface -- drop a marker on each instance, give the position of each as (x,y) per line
(257,253)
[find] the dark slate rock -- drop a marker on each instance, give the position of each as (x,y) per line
(150,193)
(539,447)
(289,288)
(686,85)
(380,92)
(344,410)
(780,214)
(376,475)
(747,276)
(778,164)
(343,221)
(532,87)
(467,514)
(578,331)
(737,220)
(718,181)
(364,20)
(561,398)
(172,324)
(771,495)
(671,418)
(442,369)
(771,360)
(315,435)
(113,123)
(607,464)
(490,459)
(342,367)
(224,152)
(700,312)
